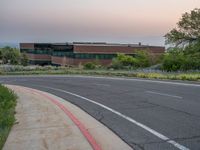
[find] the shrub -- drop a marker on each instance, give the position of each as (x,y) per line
(178,59)
(116,64)
(24,59)
(124,61)
(143,58)
(172,61)
(90,65)
(191,63)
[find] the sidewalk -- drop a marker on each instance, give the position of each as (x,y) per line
(45,121)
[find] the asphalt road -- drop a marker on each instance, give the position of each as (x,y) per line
(148,115)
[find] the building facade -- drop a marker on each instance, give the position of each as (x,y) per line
(73,54)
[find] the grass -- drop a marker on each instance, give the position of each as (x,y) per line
(7,111)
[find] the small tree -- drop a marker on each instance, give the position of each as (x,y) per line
(10,55)
(176,60)
(1,61)
(0,54)
(144,58)
(24,59)
(173,60)
(124,61)
(90,65)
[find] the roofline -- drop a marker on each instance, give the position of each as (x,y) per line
(98,44)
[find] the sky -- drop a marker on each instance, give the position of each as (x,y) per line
(115,21)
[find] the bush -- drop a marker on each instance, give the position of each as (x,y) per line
(90,65)
(172,61)
(191,63)
(123,61)
(7,110)
(24,59)
(116,64)
(142,59)
(178,59)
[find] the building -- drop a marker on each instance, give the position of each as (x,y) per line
(73,54)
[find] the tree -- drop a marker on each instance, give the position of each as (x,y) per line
(187,31)
(90,65)
(144,58)
(0,54)
(186,38)
(24,59)
(10,55)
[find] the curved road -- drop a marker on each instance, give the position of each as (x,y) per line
(147,114)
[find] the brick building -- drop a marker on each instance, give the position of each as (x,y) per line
(76,53)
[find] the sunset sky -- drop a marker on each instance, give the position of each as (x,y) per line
(119,21)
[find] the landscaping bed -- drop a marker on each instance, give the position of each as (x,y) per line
(138,73)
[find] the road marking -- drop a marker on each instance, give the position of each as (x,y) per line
(140,80)
(98,84)
(163,94)
(159,135)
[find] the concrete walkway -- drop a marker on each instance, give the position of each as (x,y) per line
(45,121)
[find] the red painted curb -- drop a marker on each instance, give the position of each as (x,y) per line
(82,128)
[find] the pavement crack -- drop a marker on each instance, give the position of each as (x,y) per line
(187,138)
(136,145)
(100,116)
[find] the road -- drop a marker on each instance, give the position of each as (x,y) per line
(147,114)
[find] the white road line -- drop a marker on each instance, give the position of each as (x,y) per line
(140,80)
(163,94)
(129,79)
(101,84)
(159,135)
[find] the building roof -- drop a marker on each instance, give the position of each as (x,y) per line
(139,45)
(94,44)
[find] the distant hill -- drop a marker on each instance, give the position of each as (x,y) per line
(14,45)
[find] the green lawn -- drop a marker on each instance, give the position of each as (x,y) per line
(7,111)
